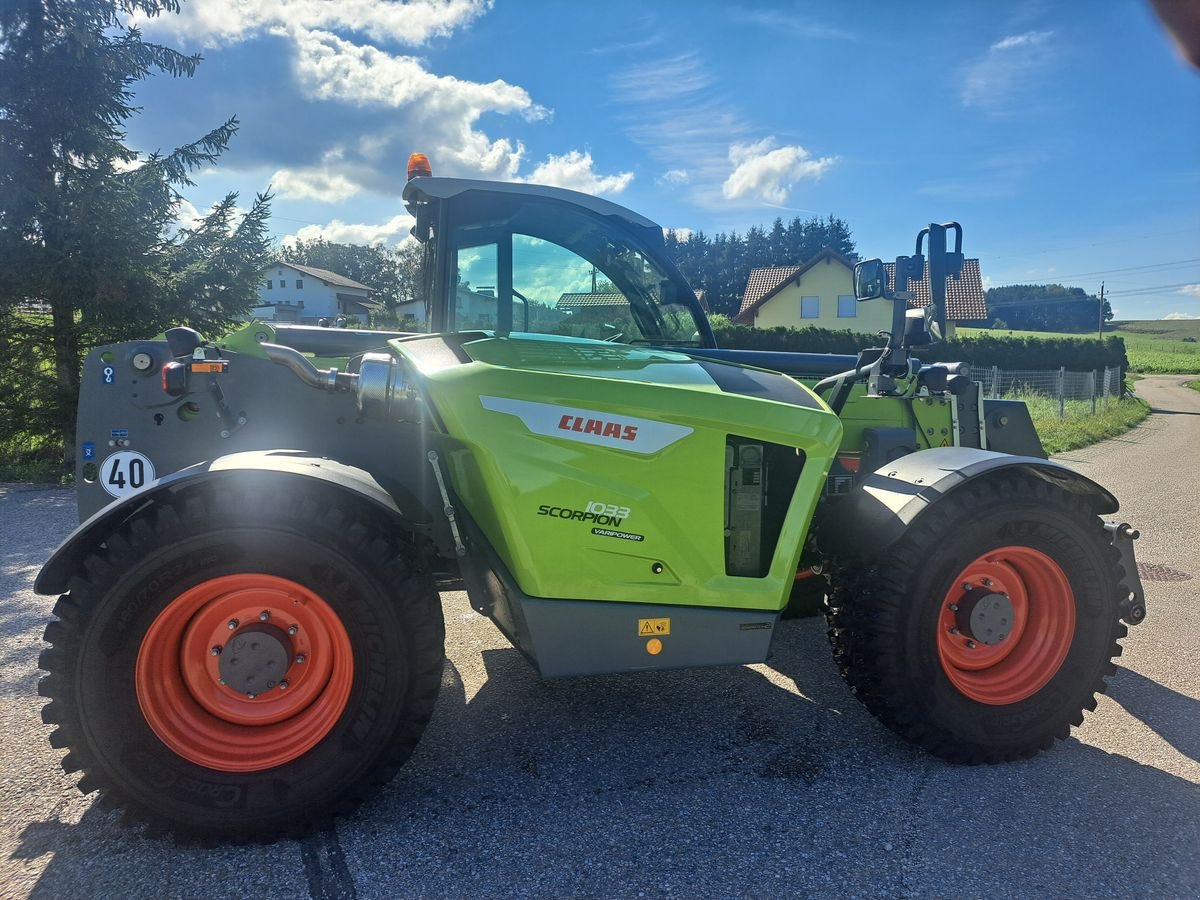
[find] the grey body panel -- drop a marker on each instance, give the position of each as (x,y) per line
(885,503)
(279,411)
(593,637)
(293,470)
(590,637)
(1010,428)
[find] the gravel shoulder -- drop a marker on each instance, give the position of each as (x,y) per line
(746,781)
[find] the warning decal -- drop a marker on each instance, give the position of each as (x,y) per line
(653,627)
(945,442)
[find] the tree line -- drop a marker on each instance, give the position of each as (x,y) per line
(721,265)
(1044,307)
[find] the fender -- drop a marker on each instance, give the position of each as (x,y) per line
(401,504)
(879,509)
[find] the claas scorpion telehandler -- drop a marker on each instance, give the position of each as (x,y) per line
(249,637)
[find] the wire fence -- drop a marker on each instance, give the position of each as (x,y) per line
(1098,386)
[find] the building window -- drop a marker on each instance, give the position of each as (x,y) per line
(270,284)
(847,306)
(810,307)
(299,283)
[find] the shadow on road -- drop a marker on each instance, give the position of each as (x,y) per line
(716,782)
(1173,716)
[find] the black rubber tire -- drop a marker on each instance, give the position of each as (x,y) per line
(882,615)
(367,572)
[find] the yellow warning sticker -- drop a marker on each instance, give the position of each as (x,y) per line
(653,627)
(945,442)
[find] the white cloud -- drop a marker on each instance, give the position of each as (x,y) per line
(791,23)
(576,171)
(441,108)
(663,80)
(1181,315)
(1002,80)
(393,231)
(681,234)
(674,176)
(317,184)
(1191,289)
(215,23)
(764,172)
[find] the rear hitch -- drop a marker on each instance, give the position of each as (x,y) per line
(1133,605)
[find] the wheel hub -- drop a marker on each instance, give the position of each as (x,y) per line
(985,616)
(255,659)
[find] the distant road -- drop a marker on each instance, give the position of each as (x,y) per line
(763,780)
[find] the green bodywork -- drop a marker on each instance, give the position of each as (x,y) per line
(675,496)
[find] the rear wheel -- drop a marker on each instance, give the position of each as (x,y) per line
(244,666)
(987,630)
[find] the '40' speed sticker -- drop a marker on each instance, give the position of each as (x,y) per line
(126,472)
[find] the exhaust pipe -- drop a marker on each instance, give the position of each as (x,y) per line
(328,379)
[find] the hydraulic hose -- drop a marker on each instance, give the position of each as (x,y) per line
(329,379)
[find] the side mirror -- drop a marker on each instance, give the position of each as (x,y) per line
(870,279)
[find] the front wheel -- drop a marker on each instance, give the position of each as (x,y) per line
(987,630)
(244,665)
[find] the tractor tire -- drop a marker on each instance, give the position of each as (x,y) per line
(243,666)
(986,631)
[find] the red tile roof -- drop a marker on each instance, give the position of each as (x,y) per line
(964,297)
(578,301)
(765,283)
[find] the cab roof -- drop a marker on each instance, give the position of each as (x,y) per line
(434,188)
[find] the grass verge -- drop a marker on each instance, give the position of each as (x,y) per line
(1194,385)
(1079,428)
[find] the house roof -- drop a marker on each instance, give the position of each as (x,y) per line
(765,283)
(579,301)
(964,297)
(359,301)
(325,275)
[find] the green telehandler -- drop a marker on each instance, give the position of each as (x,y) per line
(249,637)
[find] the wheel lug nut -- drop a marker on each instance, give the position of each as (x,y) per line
(953,607)
(216,650)
(292,629)
(970,645)
(251,695)
(233,624)
(264,616)
(283,685)
(967,586)
(987,582)
(299,658)
(954,631)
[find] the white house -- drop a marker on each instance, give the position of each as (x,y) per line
(291,292)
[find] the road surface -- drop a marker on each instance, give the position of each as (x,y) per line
(759,780)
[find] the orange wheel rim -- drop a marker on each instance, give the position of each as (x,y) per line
(244,672)
(1006,625)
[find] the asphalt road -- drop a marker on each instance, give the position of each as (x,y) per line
(759,780)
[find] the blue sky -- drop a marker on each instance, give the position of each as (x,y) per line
(1064,136)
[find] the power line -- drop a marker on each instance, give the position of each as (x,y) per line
(1154,289)
(1163,265)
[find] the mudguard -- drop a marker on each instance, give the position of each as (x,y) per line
(408,509)
(884,504)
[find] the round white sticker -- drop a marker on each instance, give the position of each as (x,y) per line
(126,472)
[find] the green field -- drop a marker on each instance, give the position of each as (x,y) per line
(1153,347)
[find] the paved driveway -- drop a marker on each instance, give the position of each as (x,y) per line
(756,780)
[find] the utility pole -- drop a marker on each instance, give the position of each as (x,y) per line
(1100,315)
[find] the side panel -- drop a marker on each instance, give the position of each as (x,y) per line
(591,488)
(254,405)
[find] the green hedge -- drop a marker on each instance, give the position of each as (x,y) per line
(1076,354)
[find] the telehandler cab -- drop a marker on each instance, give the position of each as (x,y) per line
(250,639)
